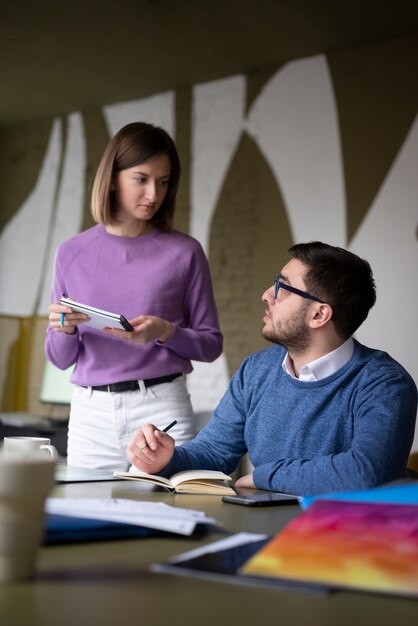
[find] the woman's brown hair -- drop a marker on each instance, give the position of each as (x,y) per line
(134,144)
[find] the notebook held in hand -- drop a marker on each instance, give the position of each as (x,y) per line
(98,317)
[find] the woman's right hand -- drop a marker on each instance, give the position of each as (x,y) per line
(150,449)
(71,318)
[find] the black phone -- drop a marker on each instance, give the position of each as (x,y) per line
(126,325)
(262,499)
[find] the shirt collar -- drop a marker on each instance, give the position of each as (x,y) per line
(324,366)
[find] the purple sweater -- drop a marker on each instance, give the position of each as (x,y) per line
(161,274)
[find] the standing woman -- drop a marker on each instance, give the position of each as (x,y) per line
(132,262)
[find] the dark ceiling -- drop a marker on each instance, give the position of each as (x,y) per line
(57,57)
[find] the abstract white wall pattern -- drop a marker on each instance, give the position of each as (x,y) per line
(23,241)
(217,122)
(68,217)
(295,125)
(158,110)
(387,238)
(217,119)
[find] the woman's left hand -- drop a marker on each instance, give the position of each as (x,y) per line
(146,328)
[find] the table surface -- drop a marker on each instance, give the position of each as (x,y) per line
(109,583)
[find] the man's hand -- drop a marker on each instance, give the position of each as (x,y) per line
(245,481)
(150,450)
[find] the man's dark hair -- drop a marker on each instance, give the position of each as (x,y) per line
(341,279)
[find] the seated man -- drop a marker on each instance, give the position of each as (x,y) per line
(318,411)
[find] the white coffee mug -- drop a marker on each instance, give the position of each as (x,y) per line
(29,447)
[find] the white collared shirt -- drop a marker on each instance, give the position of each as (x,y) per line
(324,366)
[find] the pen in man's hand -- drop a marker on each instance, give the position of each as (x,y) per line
(164,430)
(167,428)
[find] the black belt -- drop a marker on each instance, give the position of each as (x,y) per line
(132,385)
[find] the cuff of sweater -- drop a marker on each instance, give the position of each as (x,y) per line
(260,479)
(167,343)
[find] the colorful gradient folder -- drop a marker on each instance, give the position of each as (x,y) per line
(350,545)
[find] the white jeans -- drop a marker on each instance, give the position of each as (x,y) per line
(102,423)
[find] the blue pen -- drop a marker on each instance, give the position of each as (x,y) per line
(62,316)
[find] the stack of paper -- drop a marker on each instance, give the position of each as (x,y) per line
(159,516)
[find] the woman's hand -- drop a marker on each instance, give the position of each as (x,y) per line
(150,449)
(146,328)
(70,321)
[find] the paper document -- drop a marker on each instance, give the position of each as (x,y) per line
(156,515)
(233,541)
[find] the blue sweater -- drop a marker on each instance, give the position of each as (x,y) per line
(351,430)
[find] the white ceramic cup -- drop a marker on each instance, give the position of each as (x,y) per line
(24,486)
(26,447)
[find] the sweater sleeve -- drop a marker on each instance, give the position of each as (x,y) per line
(384,420)
(221,444)
(60,348)
(200,339)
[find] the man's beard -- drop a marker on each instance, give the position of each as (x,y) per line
(293,334)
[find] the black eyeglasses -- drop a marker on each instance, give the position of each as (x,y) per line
(279,285)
